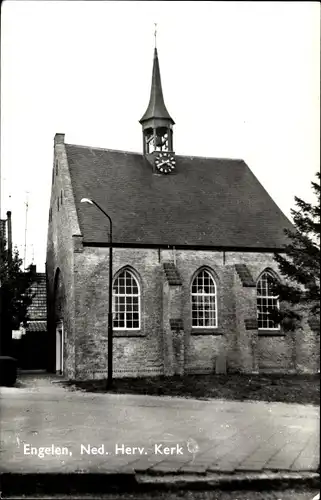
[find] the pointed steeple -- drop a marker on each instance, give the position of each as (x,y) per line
(156,107)
(157,123)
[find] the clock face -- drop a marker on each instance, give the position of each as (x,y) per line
(165,162)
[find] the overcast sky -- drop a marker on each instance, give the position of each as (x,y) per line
(241,80)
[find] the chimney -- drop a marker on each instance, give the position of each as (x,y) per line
(59,139)
(9,236)
(33,269)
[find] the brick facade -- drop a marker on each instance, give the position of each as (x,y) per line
(63,230)
(166,343)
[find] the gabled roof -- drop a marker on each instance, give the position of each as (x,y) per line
(37,310)
(207,202)
(36,326)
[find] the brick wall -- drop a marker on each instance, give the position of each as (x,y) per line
(245,309)
(62,225)
(269,352)
(307,349)
(134,353)
(275,353)
(158,347)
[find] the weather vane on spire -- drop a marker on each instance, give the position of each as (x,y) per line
(155,34)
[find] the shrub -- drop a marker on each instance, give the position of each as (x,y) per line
(8,370)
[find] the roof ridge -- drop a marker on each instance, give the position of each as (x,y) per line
(212,157)
(141,154)
(105,149)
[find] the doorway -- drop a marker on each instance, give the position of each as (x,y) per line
(59,348)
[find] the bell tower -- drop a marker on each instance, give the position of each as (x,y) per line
(157,125)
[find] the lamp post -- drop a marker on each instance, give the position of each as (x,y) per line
(110,297)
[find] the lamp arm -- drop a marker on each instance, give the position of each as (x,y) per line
(110,222)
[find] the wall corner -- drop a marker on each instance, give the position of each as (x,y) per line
(77,243)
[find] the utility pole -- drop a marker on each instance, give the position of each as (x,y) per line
(26,225)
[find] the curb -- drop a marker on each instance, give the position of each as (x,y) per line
(83,483)
(240,481)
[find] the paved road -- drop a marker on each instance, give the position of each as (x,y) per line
(109,432)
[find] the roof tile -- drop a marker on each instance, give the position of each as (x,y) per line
(245,275)
(172,274)
(251,324)
(176,324)
(206,202)
(37,310)
(36,326)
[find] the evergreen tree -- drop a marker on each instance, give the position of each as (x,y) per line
(15,296)
(300,265)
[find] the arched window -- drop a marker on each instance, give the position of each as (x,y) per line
(267,301)
(204,301)
(126,302)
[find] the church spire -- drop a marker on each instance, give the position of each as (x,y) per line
(156,122)
(156,107)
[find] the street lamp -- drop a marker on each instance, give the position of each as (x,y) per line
(110,297)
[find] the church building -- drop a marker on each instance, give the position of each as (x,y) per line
(192,242)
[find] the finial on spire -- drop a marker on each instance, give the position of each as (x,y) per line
(155,34)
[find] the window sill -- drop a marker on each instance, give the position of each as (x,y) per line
(206,331)
(128,333)
(271,333)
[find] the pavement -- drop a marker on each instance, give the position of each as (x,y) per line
(46,428)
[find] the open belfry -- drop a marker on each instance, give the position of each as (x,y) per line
(192,266)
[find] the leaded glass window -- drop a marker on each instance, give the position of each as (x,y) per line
(126,302)
(267,301)
(204,301)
